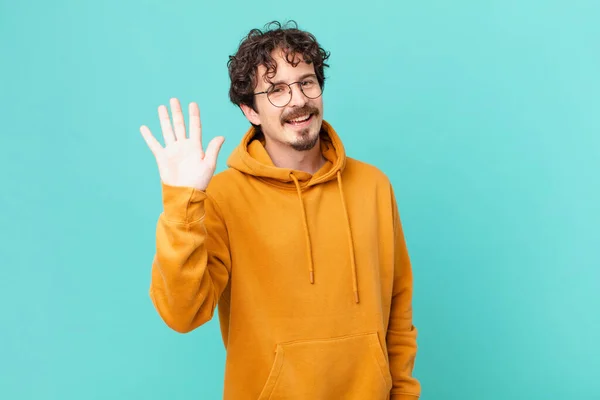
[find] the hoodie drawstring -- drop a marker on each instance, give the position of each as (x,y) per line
(311,270)
(350,241)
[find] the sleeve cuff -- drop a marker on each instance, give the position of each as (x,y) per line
(182,204)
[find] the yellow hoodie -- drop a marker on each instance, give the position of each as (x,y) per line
(310,273)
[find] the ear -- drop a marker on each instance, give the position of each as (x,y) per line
(252,115)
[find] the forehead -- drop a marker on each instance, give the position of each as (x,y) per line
(286,72)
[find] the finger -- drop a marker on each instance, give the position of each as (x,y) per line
(195,123)
(212,151)
(196,126)
(178,121)
(165,125)
(151,141)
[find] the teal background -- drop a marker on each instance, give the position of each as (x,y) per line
(484,114)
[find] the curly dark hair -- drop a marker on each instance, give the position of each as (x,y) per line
(256,48)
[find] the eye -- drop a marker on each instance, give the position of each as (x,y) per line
(278,89)
(308,82)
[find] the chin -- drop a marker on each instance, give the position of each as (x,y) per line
(303,137)
(305,141)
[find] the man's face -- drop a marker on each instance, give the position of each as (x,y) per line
(289,125)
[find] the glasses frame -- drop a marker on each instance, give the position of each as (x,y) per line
(291,92)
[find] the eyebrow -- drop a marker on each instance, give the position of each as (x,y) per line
(299,79)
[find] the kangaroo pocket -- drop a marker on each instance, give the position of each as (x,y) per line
(349,367)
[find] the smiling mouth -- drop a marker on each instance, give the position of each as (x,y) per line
(300,121)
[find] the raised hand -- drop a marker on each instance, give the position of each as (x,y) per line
(182,162)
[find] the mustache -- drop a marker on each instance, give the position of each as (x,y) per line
(299,112)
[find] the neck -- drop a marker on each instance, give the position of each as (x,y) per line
(283,156)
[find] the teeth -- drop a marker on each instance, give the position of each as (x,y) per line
(300,119)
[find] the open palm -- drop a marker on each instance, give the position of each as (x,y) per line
(182,162)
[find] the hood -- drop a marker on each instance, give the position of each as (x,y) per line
(251,158)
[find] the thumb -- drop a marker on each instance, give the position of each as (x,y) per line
(212,151)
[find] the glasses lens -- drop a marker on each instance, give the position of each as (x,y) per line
(280,95)
(311,88)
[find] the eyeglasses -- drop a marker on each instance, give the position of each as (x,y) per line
(281,94)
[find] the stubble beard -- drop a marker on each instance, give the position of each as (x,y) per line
(306,141)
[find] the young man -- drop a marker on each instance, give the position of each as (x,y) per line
(300,246)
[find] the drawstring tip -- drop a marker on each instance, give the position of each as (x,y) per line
(312,277)
(356,296)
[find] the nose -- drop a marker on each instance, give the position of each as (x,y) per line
(298,99)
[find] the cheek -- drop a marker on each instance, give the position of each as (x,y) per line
(275,117)
(320,104)
(317,103)
(268,114)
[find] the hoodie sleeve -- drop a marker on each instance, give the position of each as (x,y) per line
(192,262)
(402,334)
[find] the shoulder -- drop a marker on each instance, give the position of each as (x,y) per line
(225,183)
(365,172)
(364,178)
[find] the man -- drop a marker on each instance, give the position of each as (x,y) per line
(300,247)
